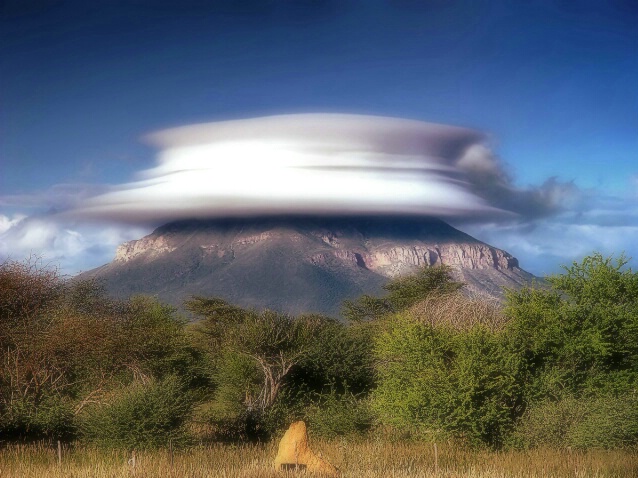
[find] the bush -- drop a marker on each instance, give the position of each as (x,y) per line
(609,422)
(548,424)
(52,417)
(334,414)
(236,376)
(600,422)
(437,379)
(141,416)
(580,337)
(339,360)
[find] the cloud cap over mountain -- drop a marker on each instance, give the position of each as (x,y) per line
(327,164)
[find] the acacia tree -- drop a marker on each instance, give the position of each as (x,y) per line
(29,296)
(276,343)
(403,292)
(272,341)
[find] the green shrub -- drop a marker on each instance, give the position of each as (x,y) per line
(333,415)
(141,416)
(548,424)
(52,417)
(600,422)
(609,422)
(438,380)
(580,337)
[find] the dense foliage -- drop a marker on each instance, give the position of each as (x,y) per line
(67,349)
(268,367)
(557,366)
(579,339)
(437,380)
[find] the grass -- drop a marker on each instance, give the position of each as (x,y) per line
(355,459)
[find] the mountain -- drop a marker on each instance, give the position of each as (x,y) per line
(299,264)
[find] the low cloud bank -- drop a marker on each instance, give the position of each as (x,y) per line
(71,247)
(594,222)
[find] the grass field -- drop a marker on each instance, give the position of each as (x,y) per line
(354,459)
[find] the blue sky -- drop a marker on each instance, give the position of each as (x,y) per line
(551,85)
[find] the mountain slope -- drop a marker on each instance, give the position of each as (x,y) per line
(301,264)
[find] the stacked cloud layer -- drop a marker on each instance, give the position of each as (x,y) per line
(309,164)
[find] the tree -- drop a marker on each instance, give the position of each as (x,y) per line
(270,367)
(403,292)
(582,334)
(31,372)
(579,341)
(273,342)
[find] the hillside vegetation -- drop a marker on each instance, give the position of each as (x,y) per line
(555,367)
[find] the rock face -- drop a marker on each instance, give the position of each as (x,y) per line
(301,264)
(295,453)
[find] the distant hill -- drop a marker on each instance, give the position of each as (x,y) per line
(299,264)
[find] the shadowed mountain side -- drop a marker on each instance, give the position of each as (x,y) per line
(298,264)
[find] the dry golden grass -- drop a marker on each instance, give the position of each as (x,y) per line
(355,459)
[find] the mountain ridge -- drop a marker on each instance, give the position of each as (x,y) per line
(300,264)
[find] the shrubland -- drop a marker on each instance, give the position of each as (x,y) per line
(69,354)
(555,366)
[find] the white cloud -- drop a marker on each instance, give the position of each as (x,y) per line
(543,246)
(318,164)
(7,222)
(71,247)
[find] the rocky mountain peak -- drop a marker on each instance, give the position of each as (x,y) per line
(300,264)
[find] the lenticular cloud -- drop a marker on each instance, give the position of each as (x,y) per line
(302,164)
